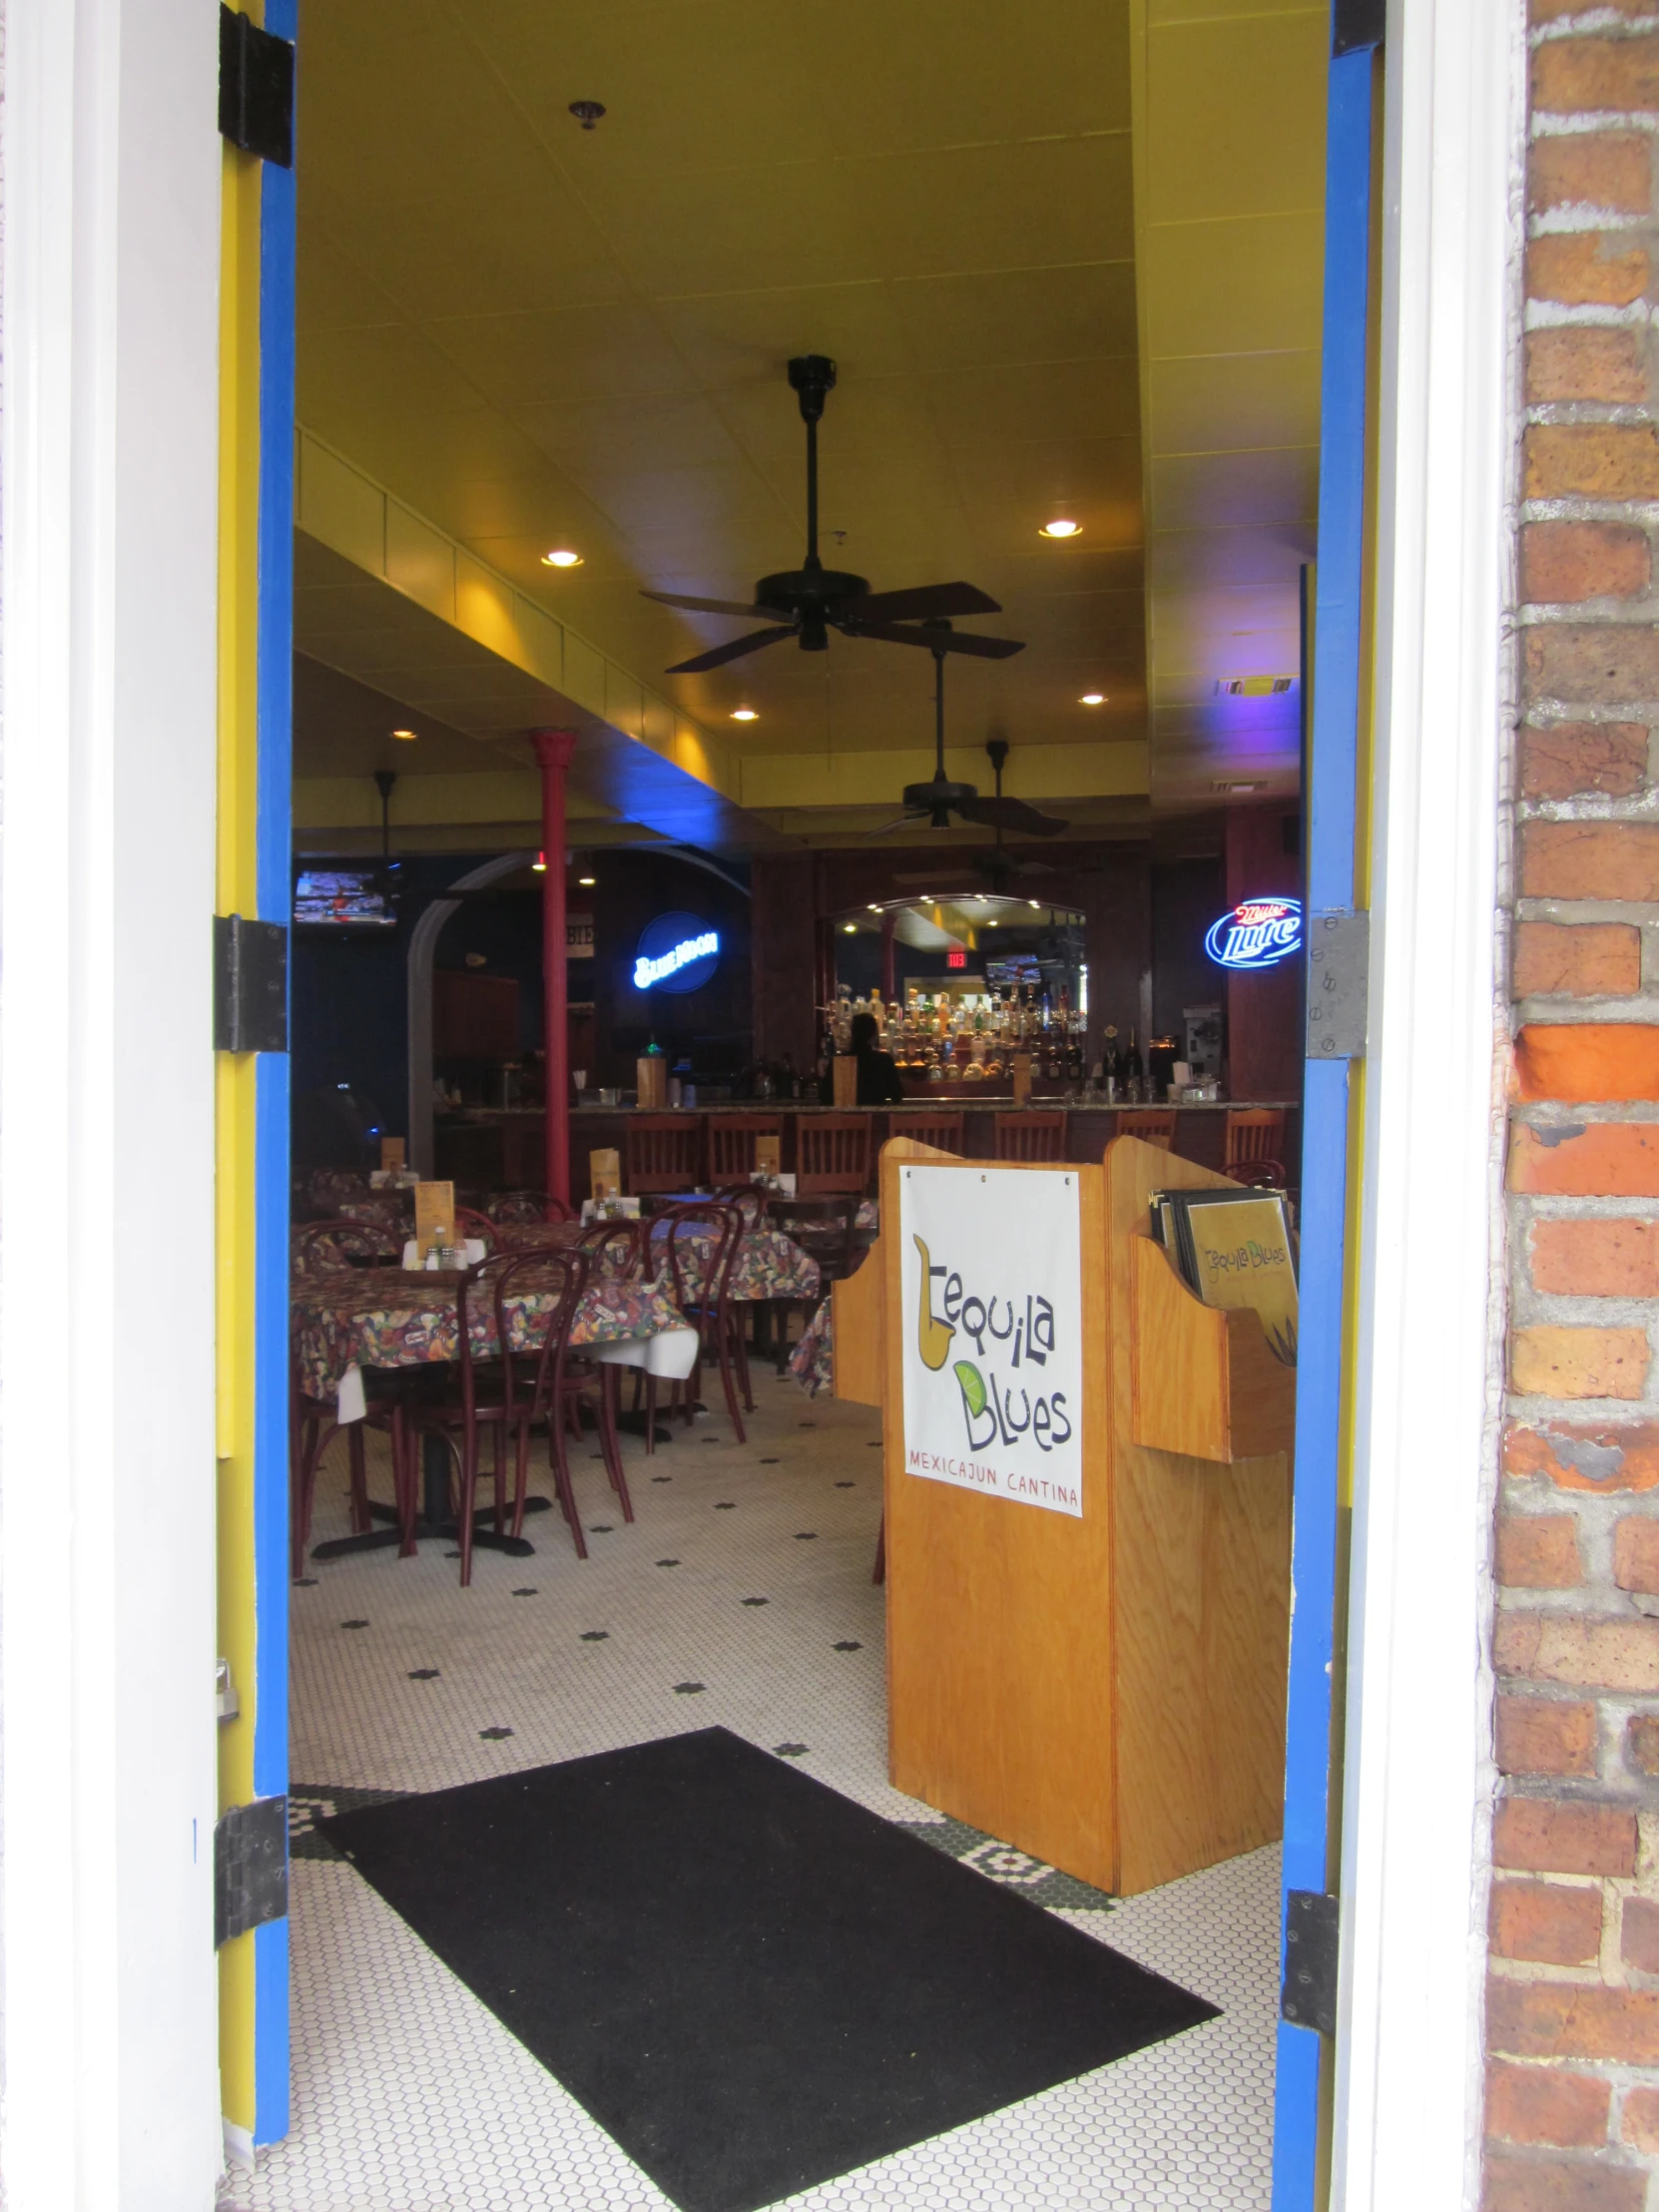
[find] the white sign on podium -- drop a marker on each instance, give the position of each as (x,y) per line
(992,1316)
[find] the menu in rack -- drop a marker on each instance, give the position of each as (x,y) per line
(393,1152)
(1235,1249)
(605,1171)
(434,1214)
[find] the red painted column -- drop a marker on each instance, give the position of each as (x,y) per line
(554,749)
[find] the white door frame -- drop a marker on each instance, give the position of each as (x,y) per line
(108,608)
(1418,1778)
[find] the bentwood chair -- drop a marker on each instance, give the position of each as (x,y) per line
(701,1285)
(521,1208)
(1254,1140)
(943,1131)
(831,1155)
(462,1401)
(469,1223)
(732,1144)
(617,1252)
(663,1152)
(542,1381)
(1156,1126)
(322,1248)
(1031,1134)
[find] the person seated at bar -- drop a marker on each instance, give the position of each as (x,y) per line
(879,1083)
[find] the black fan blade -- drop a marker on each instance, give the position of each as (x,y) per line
(926,603)
(1010,814)
(709,606)
(945,641)
(719,655)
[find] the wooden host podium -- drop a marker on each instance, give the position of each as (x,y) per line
(1104,1692)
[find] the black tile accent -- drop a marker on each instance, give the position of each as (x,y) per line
(354,1624)
(494,1734)
(688,1689)
(424,1674)
(847,1647)
(596,1635)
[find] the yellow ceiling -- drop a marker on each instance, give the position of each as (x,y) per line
(532,335)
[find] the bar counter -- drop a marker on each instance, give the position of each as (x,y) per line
(487,1148)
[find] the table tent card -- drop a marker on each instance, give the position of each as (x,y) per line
(605,1172)
(434,1217)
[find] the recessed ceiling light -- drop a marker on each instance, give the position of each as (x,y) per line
(1092,698)
(874,909)
(587,881)
(1035,902)
(1060,527)
(991,924)
(851,927)
(561,556)
(539,863)
(402,733)
(744,714)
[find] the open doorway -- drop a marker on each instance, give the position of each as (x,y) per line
(476,530)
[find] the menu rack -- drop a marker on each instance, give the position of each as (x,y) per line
(1202,1381)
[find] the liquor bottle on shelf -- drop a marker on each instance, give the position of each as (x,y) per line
(1134,1072)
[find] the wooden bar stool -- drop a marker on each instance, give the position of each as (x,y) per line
(1031,1134)
(1157,1127)
(831,1155)
(663,1152)
(1255,1139)
(943,1131)
(732,1144)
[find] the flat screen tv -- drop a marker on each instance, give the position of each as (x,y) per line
(342,899)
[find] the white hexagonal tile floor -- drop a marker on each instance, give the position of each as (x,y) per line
(741,1594)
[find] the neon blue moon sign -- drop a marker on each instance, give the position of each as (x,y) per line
(1256,933)
(676,952)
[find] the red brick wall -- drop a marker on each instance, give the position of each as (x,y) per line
(1572,2033)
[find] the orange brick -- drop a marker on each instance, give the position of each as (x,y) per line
(1639,1937)
(1572,2020)
(1538,1551)
(1636,1552)
(1593,1456)
(1596,1258)
(1578,1362)
(1574,757)
(1591,860)
(1537,2104)
(1598,1159)
(1604,76)
(1639,2125)
(1516,2183)
(1540,1735)
(1585,361)
(1612,662)
(1584,269)
(1641,1743)
(1617,1651)
(1591,960)
(1563,561)
(1592,460)
(1543,1835)
(1548,1922)
(1600,169)
(1587,1060)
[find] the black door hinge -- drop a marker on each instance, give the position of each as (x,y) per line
(250,985)
(1356,23)
(1309,1998)
(251,1866)
(256,89)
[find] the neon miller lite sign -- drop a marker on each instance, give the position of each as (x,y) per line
(1257,933)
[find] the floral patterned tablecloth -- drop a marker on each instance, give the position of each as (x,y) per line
(768,1263)
(384,1318)
(811,1363)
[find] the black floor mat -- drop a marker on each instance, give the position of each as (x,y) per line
(750,1983)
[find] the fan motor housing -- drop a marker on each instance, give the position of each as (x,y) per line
(936,793)
(794,589)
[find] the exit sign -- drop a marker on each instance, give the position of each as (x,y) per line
(955,957)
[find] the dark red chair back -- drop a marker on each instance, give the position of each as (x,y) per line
(519,1207)
(662,1152)
(1030,1134)
(322,1247)
(732,1144)
(532,1368)
(831,1154)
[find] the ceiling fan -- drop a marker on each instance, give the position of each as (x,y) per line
(939,799)
(806,603)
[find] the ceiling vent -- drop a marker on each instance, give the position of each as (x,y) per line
(1251,687)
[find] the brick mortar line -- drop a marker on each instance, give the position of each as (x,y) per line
(1576,506)
(1590,414)
(1606,611)
(1571,219)
(1587,314)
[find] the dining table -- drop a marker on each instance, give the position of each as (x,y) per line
(767,1265)
(348,1319)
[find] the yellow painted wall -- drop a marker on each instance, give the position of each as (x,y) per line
(234,1138)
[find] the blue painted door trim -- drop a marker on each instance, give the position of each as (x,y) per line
(275,713)
(1330,810)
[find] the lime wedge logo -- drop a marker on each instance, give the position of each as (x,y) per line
(973,1388)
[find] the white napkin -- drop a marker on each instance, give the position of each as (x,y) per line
(352,1405)
(671,1353)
